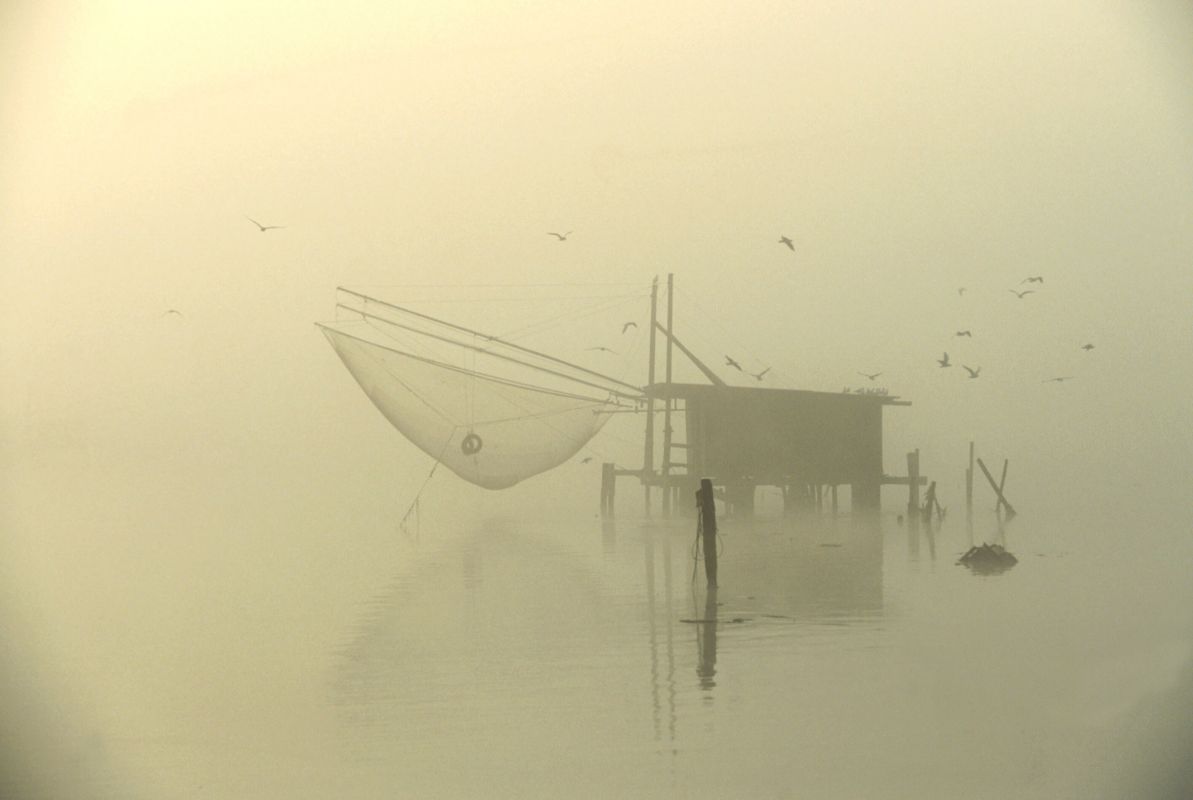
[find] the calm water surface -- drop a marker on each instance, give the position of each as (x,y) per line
(172,648)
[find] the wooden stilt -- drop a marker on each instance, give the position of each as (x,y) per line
(913,482)
(834,491)
(608,486)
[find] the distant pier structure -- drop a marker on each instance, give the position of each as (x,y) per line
(805,443)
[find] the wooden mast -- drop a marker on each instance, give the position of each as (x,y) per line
(648,445)
(667,401)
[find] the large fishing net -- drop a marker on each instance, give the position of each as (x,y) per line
(493,412)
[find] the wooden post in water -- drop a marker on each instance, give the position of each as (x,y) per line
(913,483)
(708,529)
(834,499)
(608,486)
(969,483)
(929,502)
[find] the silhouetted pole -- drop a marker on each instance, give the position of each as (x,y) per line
(708,529)
(969,483)
(667,401)
(648,446)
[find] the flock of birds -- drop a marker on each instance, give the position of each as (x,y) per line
(943,362)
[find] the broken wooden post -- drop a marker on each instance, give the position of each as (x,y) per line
(929,502)
(708,529)
(913,482)
(998,489)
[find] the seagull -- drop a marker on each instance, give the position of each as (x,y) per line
(602,349)
(1087,347)
(1036,279)
(729,362)
(263,228)
(868,375)
(170,311)
(788,242)
(961,291)
(1021,294)
(944,360)
(759,375)
(964,333)
(973,373)
(628,325)
(563,237)
(586,459)
(1059,380)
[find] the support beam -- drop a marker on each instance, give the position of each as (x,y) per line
(700,365)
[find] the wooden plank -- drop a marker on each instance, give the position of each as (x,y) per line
(700,365)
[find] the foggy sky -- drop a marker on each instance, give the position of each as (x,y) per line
(908,151)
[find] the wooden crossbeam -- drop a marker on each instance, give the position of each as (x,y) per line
(998,488)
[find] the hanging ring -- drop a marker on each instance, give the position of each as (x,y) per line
(471,445)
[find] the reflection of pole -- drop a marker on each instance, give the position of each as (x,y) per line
(969,483)
(654,639)
(708,527)
(706,642)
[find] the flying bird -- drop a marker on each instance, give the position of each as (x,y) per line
(964,333)
(628,325)
(602,349)
(729,362)
(973,373)
(170,311)
(788,242)
(1036,279)
(263,228)
(1087,347)
(944,360)
(961,291)
(1021,294)
(868,375)
(586,459)
(759,375)
(563,237)
(1059,380)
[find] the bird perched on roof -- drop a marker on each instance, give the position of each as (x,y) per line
(1036,279)
(263,228)
(628,325)
(563,237)
(869,375)
(964,333)
(758,375)
(729,362)
(1087,347)
(973,373)
(944,360)
(787,241)
(1020,295)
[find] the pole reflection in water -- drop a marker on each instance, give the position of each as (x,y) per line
(706,642)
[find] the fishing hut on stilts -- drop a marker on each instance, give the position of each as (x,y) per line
(808,444)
